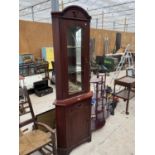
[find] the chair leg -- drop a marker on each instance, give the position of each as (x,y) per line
(54,146)
(50,152)
(42,152)
(54,151)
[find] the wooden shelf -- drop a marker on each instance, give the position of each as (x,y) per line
(124,94)
(73,46)
(125,81)
(99,91)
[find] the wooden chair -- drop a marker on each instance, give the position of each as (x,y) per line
(31,137)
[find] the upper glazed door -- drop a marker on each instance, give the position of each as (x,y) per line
(76,53)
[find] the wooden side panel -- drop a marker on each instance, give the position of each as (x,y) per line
(61,126)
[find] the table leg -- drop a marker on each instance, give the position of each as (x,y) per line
(127,103)
(127,106)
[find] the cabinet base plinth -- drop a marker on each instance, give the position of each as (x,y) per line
(66,151)
(61,151)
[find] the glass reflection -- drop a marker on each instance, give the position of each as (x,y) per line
(74,41)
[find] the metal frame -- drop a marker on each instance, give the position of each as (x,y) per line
(118,16)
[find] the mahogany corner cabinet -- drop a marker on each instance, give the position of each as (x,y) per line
(71,34)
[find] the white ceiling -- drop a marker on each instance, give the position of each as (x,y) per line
(107,14)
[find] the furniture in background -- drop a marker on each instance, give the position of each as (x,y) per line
(53,72)
(97,115)
(97,65)
(71,34)
(100,61)
(110,63)
(42,68)
(26,58)
(33,72)
(21,85)
(41,88)
(130,72)
(94,67)
(28,69)
(127,93)
(44,108)
(47,117)
(29,80)
(48,55)
(31,138)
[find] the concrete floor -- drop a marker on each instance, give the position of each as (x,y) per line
(117,137)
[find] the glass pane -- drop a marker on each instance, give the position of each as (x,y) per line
(74,41)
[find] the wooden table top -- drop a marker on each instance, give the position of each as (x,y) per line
(126,79)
